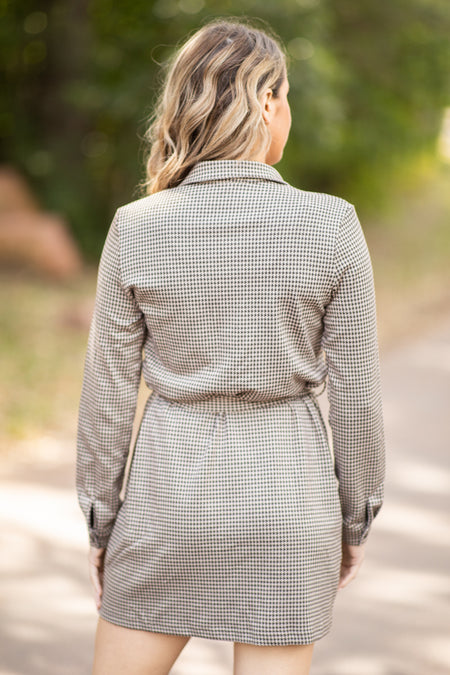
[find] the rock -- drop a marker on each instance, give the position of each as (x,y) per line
(31,239)
(15,194)
(40,242)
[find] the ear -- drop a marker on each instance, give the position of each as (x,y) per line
(266,103)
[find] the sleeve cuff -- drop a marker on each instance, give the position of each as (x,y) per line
(356,534)
(355,537)
(97,537)
(99,540)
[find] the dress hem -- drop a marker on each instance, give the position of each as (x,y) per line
(211,634)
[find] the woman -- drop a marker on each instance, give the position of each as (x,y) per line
(237,522)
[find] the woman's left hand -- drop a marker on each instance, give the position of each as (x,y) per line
(96,559)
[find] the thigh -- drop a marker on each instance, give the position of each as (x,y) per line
(278,660)
(121,650)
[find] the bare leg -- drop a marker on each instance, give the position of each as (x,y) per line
(279,660)
(120,650)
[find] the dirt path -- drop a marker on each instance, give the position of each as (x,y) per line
(392,620)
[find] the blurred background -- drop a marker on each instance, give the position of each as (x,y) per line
(370,101)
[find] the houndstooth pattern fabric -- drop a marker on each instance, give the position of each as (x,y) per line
(236,296)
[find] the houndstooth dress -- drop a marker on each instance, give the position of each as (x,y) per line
(243,294)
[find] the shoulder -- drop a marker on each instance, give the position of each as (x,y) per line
(150,211)
(319,209)
(132,210)
(323,204)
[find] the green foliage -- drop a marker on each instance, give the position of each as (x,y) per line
(368,85)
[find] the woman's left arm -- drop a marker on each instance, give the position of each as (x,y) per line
(110,387)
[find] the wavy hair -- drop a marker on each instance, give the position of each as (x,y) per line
(209,107)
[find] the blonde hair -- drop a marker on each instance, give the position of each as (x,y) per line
(209,106)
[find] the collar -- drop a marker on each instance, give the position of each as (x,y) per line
(223,169)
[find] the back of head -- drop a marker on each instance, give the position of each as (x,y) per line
(209,107)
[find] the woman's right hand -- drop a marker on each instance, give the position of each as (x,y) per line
(96,564)
(352,559)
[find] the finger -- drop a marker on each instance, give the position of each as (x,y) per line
(96,565)
(344,582)
(97,598)
(353,571)
(347,574)
(96,582)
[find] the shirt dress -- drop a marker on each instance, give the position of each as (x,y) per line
(237,296)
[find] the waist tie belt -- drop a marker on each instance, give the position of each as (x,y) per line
(223,403)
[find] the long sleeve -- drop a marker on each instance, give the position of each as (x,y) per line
(107,407)
(350,343)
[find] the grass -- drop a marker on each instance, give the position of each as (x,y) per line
(43,329)
(44,325)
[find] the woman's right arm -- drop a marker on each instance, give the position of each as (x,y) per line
(109,393)
(350,343)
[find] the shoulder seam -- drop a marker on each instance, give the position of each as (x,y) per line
(349,208)
(116,220)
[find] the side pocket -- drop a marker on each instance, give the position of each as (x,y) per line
(325,438)
(91,517)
